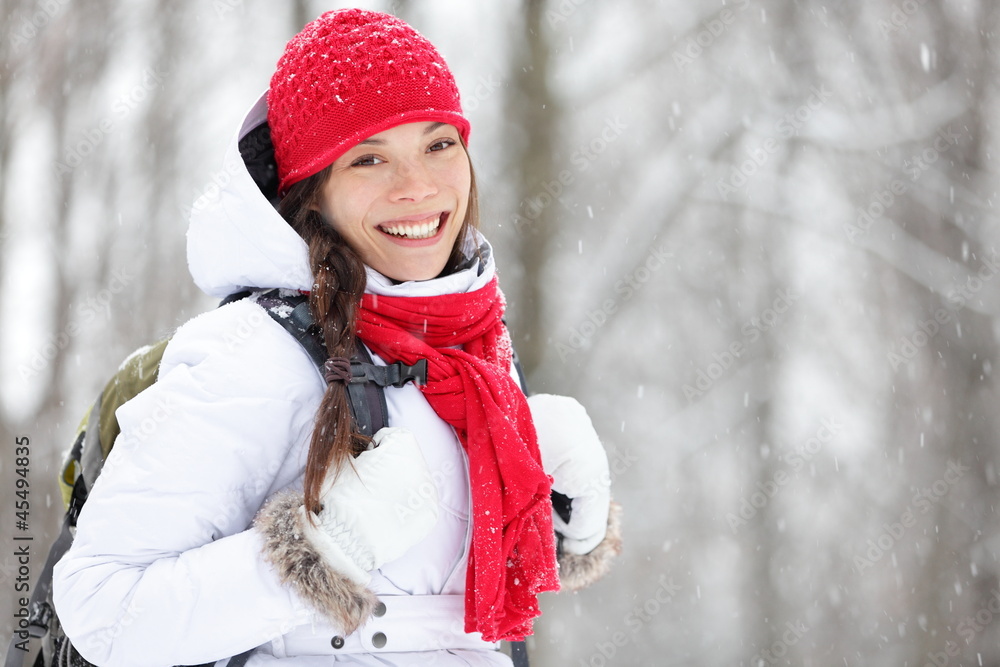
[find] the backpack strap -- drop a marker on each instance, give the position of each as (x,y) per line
(291,311)
(239,660)
(518,649)
(366,389)
(91,457)
(519,653)
(367,399)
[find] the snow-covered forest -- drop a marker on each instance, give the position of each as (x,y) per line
(756,238)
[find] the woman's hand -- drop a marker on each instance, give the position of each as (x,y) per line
(375,511)
(372,513)
(572,453)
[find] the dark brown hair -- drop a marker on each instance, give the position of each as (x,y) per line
(338,284)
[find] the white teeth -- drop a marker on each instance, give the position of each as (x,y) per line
(424,230)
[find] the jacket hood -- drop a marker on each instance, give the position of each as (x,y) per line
(236,238)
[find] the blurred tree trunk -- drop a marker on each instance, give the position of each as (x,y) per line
(949,382)
(160,164)
(9,61)
(302,13)
(533,115)
(69,69)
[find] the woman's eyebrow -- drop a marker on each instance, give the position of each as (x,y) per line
(371,141)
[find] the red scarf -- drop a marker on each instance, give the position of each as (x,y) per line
(513,556)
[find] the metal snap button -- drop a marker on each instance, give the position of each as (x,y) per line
(337,642)
(379,610)
(378,639)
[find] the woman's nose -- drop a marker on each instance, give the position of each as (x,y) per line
(413,182)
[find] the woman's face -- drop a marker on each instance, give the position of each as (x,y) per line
(399,198)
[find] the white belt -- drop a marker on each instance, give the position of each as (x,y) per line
(401,623)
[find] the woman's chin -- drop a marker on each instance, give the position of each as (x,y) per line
(402,274)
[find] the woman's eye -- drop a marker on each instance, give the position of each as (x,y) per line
(441,145)
(367,161)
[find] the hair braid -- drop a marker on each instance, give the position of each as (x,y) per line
(339,281)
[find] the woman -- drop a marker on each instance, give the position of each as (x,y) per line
(426,544)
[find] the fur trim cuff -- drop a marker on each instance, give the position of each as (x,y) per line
(579,571)
(346,603)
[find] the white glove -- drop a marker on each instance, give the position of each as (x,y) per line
(572,453)
(371,514)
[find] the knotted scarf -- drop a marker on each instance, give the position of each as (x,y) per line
(512,557)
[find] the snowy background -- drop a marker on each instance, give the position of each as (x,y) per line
(756,238)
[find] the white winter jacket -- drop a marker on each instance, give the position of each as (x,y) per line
(166,567)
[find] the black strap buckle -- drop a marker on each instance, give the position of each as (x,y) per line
(395,375)
(417,373)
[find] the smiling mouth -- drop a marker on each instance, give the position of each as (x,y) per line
(416,229)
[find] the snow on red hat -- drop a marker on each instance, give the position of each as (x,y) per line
(348,75)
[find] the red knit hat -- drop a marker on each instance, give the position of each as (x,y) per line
(348,75)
